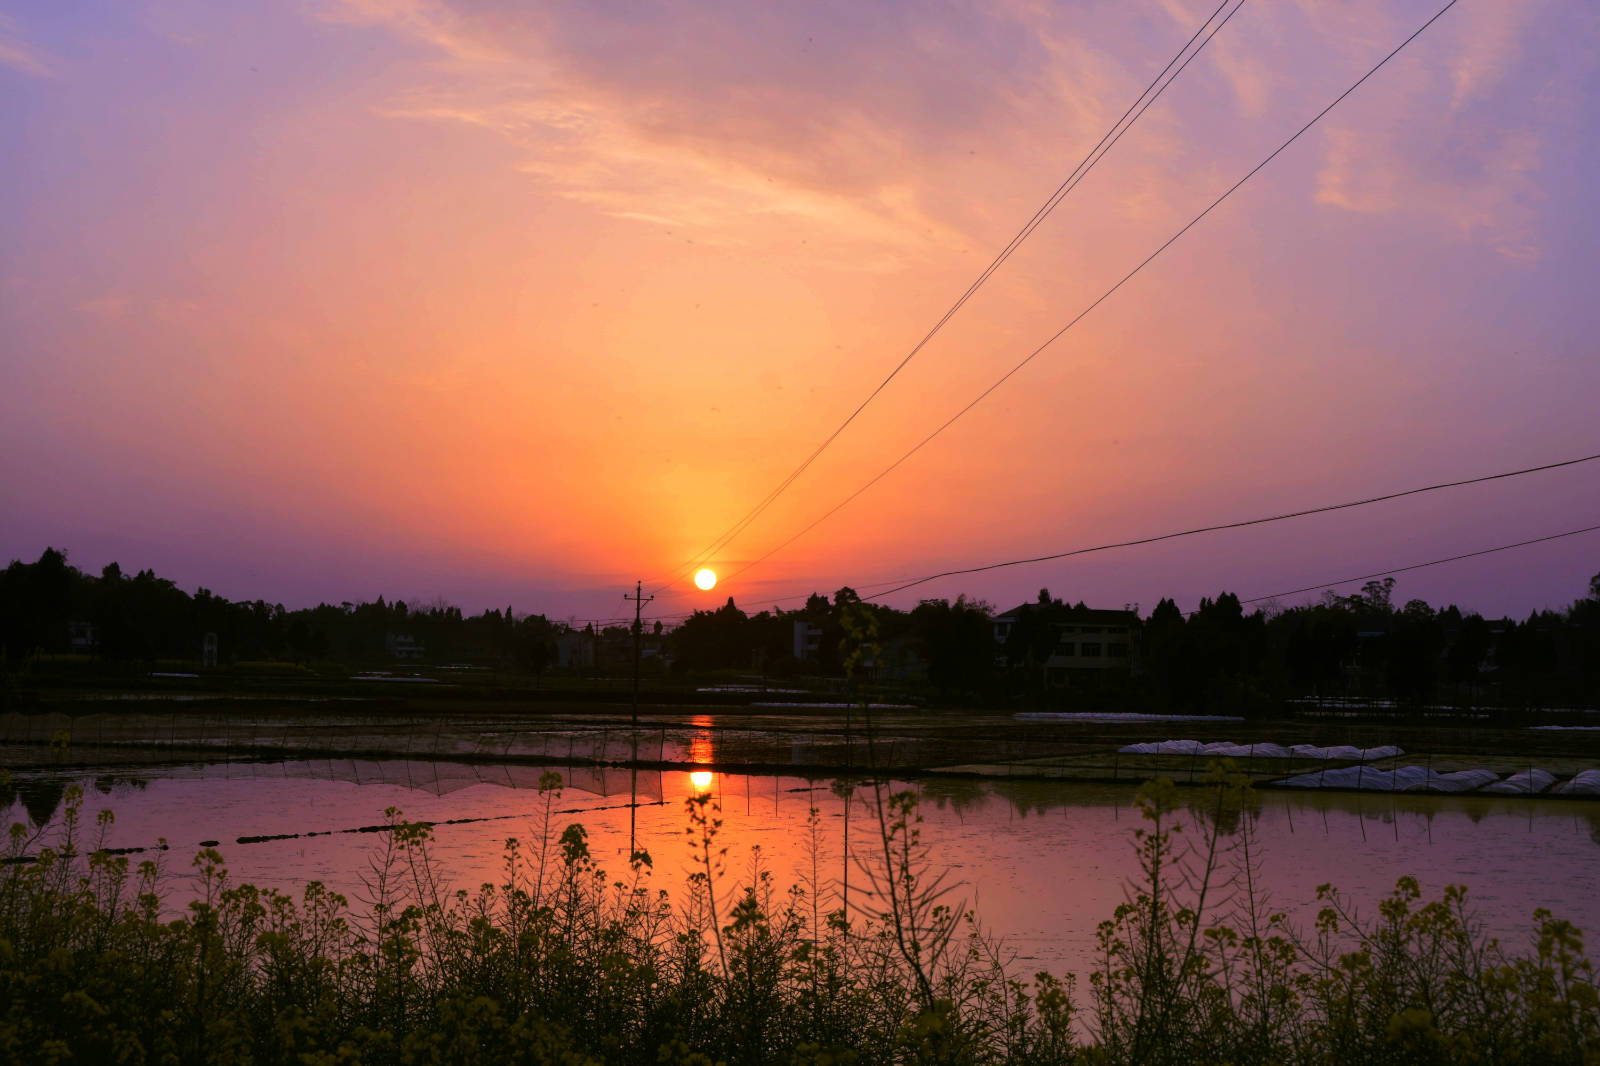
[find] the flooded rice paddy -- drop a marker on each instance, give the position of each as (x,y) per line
(1041,862)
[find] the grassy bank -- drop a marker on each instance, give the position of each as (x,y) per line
(561,962)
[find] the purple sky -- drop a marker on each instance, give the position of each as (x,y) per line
(506,302)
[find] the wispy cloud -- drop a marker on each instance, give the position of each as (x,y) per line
(744,117)
(112,305)
(1482,186)
(1473,166)
(721,119)
(19,55)
(429,20)
(1491,40)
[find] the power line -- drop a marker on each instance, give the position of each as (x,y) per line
(1347,580)
(893,586)
(1243,523)
(1235,525)
(1098,152)
(1106,295)
(784,597)
(1379,573)
(1419,566)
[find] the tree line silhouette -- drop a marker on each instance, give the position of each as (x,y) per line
(1218,658)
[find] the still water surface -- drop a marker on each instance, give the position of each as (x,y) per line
(1041,862)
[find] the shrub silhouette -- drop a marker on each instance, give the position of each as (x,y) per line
(558,962)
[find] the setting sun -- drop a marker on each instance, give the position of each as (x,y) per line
(701,779)
(705,579)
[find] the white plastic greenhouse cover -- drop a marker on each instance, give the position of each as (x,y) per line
(1524,782)
(1404,779)
(1586,783)
(1264,750)
(1120,716)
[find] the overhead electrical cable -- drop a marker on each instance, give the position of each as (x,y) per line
(1136,109)
(901,586)
(768,597)
(1169,242)
(1306,588)
(1241,524)
(1419,566)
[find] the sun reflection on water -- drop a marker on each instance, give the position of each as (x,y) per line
(701,751)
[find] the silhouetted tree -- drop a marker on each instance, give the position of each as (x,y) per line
(1415,641)
(713,639)
(1465,658)
(958,641)
(535,647)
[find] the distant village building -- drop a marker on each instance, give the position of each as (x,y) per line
(82,637)
(403,647)
(575,649)
(616,647)
(1091,640)
(807,640)
(901,659)
(1086,642)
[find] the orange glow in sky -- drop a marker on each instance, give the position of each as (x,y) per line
(523,303)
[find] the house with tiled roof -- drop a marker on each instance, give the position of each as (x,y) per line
(1065,641)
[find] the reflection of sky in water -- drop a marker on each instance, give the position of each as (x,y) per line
(1043,863)
(702,751)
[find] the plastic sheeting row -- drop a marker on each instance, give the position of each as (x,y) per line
(1226,749)
(1403,779)
(1119,716)
(1586,783)
(1420,779)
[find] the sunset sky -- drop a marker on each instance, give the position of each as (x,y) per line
(509,302)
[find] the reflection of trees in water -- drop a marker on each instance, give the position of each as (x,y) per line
(968,794)
(959,794)
(41,797)
(1594,826)
(1026,800)
(1228,810)
(1045,797)
(105,783)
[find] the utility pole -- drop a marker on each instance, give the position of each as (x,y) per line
(639,600)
